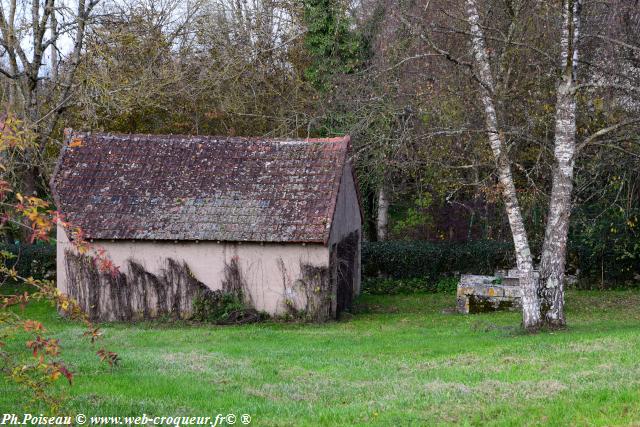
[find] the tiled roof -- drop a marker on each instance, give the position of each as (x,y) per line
(172,187)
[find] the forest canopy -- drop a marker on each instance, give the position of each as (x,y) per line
(398,76)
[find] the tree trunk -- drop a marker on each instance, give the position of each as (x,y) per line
(25,73)
(54,47)
(29,180)
(531,319)
(29,177)
(554,250)
(383,214)
(370,215)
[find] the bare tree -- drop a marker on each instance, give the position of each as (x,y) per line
(505,46)
(383,213)
(554,251)
(530,303)
(39,95)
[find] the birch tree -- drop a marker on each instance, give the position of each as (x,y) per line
(548,297)
(554,251)
(567,147)
(531,315)
(549,308)
(383,213)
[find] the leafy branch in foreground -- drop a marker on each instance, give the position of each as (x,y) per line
(37,366)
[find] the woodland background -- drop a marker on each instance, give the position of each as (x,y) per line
(308,68)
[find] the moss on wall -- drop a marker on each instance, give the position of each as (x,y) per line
(307,297)
(234,282)
(317,287)
(136,295)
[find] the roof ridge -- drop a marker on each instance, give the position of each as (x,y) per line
(68,132)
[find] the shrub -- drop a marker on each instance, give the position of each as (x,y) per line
(37,260)
(223,308)
(447,285)
(432,261)
(386,286)
(607,252)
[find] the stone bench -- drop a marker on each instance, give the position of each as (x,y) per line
(479,294)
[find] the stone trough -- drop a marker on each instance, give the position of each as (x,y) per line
(479,294)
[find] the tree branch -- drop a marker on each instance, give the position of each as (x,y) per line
(442,52)
(618,42)
(605,131)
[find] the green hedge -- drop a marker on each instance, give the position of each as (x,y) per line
(607,264)
(433,260)
(385,286)
(38,261)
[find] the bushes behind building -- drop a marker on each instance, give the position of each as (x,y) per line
(37,261)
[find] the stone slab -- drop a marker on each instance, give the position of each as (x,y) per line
(478,294)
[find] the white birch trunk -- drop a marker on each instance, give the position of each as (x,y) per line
(554,250)
(531,317)
(54,47)
(383,214)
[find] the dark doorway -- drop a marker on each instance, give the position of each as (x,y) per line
(346,252)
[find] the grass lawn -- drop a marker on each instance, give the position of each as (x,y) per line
(401,361)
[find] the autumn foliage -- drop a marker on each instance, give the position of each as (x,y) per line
(39,364)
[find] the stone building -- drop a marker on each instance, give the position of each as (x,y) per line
(278,221)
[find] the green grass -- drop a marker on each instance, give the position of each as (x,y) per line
(401,361)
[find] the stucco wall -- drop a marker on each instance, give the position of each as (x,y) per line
(272,272)
(277,278)
(347,218)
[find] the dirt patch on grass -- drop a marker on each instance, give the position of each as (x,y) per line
(605,345)
(447,388)
(472,362)
(493,390)
(462,360)
(301,391)
(606,375)
(202,362)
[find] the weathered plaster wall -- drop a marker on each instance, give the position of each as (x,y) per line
(277,276)
(160,277)
(347,218)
